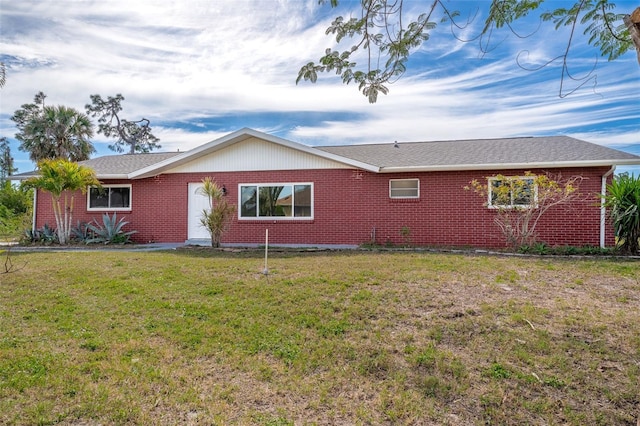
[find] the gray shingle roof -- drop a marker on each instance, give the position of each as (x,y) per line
(514,152)
(478,154)
(125,164)
(116,166)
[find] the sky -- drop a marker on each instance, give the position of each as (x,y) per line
(199,70)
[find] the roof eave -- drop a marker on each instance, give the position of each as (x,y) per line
(112,176)
(498,166)
(22,176)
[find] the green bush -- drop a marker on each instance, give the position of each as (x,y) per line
(623,200)
(43,236)
(216,218)
(15,210)
(544,249)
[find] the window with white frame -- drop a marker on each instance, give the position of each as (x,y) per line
(404,188)
(285,201)
(516,191)
(109,197)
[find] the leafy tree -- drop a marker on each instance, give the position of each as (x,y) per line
(135,135)
(216,218)
(61,178)
(520,202)
(623,200)
(48,132)
(16,199)
(388,34)
(15,210)
(15,202)
(6,160)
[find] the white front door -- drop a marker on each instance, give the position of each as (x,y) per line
(197,203)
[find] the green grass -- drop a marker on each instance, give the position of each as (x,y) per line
(202,337)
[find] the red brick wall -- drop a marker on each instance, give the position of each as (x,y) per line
(349,205)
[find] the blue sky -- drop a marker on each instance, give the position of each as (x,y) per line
(201,69)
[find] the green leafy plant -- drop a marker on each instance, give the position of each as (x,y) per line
(393,30)
(45,235)
(497,371)
(623,200)
(110,231)
(405,233)
(540,248)
(81,232)
(216,218)
(15,210)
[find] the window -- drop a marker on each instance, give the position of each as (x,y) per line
(109,197)
(404,188)
(512,192)
(294,201)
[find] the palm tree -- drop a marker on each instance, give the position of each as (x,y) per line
(62,178)
(58,132)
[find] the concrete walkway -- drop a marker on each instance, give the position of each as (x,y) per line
(94,247)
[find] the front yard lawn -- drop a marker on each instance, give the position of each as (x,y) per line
(203,337)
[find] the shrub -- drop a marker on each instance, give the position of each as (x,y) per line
(15,210)
(623,200)
(520,202)
(44,236)
(216,218)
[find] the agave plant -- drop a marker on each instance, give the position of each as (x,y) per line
(45,235)
(81,232)
(109,231)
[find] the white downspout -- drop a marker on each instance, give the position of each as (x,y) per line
(603,210)
(33,219)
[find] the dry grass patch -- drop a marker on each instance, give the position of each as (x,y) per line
(201,337)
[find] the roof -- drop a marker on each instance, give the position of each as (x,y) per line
(479,154)
(116,166)
(120,166)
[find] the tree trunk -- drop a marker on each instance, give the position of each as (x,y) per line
(57,213)
(633,24)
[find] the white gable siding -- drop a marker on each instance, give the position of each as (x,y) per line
(256,154)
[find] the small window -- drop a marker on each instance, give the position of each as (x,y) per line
(404,188)
(512,192)
(294,201)
(109,197)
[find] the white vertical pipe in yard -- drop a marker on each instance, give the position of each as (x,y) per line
(603,210)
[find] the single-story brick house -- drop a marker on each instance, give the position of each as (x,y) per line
(346,195)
